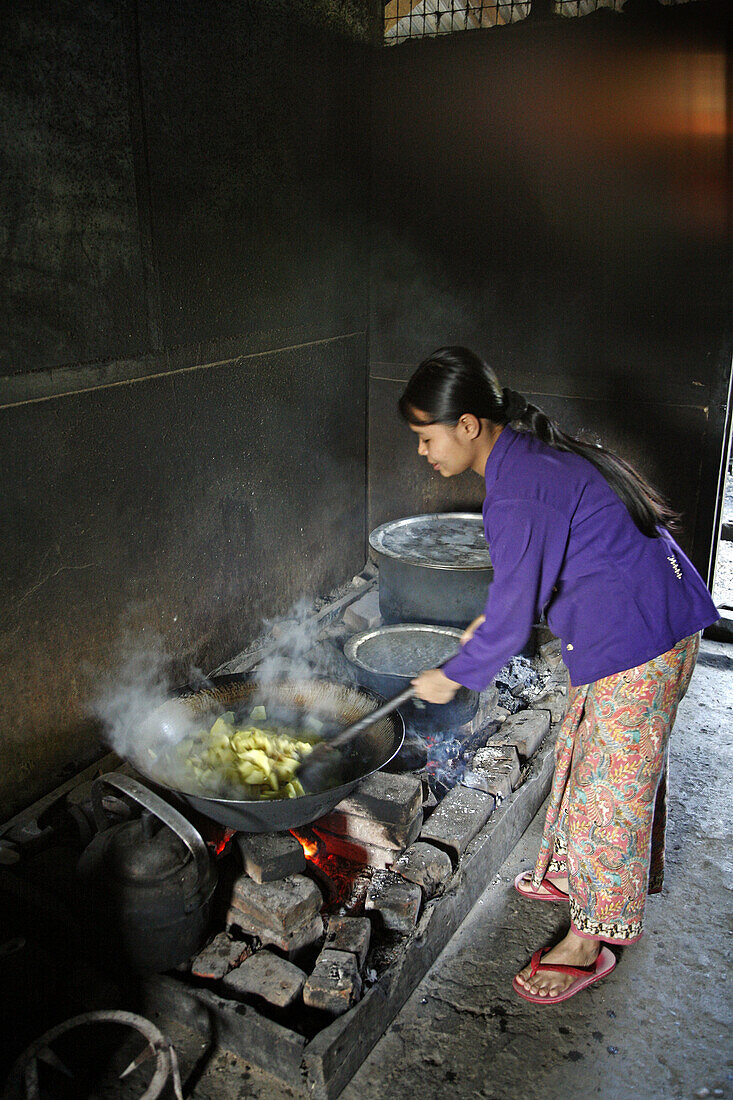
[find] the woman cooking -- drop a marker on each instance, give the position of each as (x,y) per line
(575,532)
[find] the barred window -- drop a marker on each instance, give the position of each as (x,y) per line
(404,19)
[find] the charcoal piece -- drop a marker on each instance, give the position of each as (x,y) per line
(366,830)
(487,702)
(271,856)
(364,613)
(426,865)
(219,956)
(498,767)
(352,904)
(556,703)
(395,899)
(520,681)
(439,788)
(551,652)
(508,701)
(268,976)
(555,696)
(559,680)
(350,934)
(284,906)
(514,675)
(335,984)
(479,737)
(424,776)
(296,940)
(429,805)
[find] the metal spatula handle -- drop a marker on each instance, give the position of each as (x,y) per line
(313,769)
(381,712)
(369,719)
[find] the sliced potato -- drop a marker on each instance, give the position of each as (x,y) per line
(247,762)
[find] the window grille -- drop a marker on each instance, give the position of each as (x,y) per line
(405,19)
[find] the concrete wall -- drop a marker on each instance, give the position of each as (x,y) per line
(183,391)
(555,197)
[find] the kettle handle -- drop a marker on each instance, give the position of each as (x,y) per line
(175,821)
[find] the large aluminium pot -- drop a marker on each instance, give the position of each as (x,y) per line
(387,658)
(335,705)
(433,568)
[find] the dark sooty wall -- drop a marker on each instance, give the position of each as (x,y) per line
(184,348)
(554,197)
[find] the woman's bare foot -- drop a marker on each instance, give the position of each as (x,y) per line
(574,950)
(524,886)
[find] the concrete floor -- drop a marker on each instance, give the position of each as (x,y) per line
(660,1026)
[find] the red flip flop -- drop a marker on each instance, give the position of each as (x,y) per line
(552,892)
(585,976)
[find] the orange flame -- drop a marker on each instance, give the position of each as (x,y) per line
(221,843)
(310,847)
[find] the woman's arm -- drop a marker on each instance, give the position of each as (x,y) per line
(528,541)
(434,686)
(472,628)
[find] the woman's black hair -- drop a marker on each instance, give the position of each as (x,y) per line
(454,381)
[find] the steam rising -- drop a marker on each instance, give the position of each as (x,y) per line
(300,652)
(143,721)
(134,704)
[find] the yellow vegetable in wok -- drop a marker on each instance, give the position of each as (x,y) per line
(255,762)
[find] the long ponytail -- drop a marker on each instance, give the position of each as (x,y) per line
(454,381)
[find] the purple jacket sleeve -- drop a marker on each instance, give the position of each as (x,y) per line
(527,541)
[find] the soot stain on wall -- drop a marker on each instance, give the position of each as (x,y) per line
(183,404)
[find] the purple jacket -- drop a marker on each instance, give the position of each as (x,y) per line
(563,542)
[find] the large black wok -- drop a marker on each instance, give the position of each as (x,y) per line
(290,702)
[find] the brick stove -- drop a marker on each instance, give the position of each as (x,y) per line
(398,864)
(318,936)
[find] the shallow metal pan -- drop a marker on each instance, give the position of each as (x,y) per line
(387,658)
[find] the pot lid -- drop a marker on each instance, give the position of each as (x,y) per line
(402,650)
(441,540)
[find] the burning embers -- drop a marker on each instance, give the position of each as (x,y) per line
(343,882)
(219,840)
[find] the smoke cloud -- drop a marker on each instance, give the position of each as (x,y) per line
(130,696)
(142,720)
(299,651)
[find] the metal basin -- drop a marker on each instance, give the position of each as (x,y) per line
(388,658)
(433,568)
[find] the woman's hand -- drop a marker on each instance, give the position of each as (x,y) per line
(434,686)
(472,628)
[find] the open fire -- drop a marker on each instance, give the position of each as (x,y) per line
(343,881)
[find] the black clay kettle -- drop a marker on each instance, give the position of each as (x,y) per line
(150,881)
